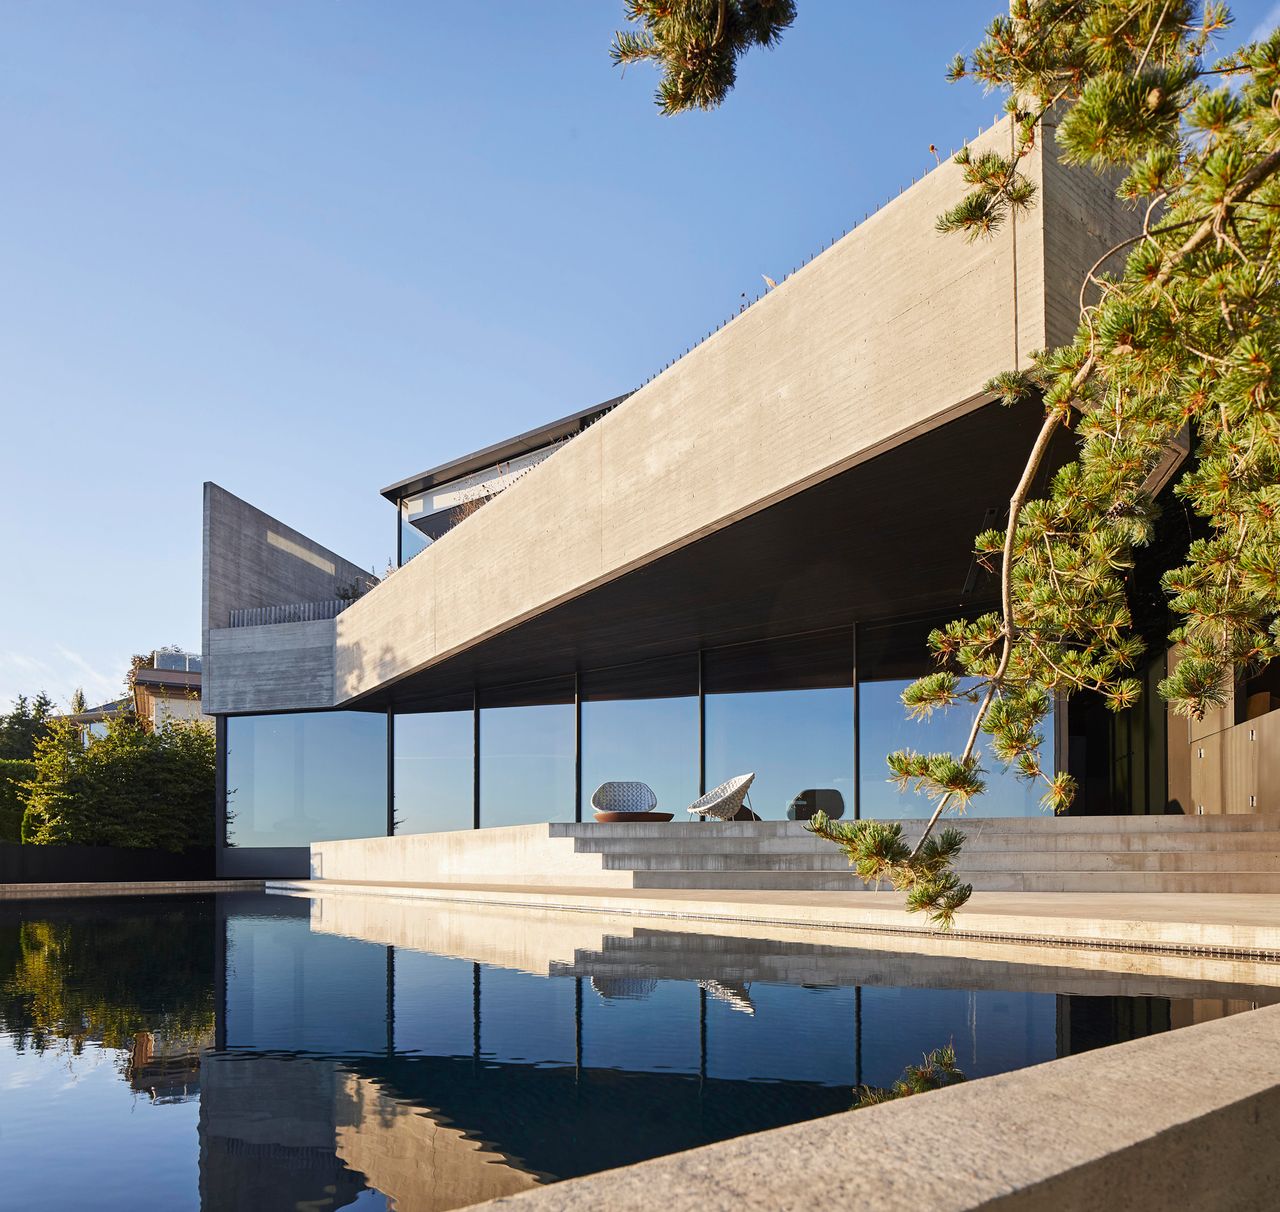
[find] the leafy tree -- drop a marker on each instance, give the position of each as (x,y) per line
(1179,331)
(23,725)
(132,787)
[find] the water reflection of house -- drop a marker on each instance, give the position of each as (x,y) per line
(309,1132)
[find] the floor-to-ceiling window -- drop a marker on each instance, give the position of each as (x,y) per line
(527,753)
(433,771)
(302,778)
(890,658)
(783,710)
(640,724)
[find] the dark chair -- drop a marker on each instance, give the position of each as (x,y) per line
(817,799)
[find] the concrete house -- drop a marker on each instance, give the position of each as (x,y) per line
(731,569)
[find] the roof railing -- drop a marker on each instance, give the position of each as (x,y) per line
(297,612)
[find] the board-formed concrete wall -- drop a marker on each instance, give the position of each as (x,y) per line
(252,559)
(892,331)
(280,667)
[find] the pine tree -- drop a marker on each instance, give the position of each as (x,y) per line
(78,702)
(697,44)
(1179,332)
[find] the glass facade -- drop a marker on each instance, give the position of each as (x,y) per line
(640,723)
(297,779)
(527,754)
(786,710)
(783,710)
(886,729)
(433,771)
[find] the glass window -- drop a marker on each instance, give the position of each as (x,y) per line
(886,729)
(433,771)
(412,540)
(640,724)
(784,710)
(297,779)
(527,754)
(889,659)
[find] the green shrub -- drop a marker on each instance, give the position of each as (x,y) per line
(129,788)
(13,799)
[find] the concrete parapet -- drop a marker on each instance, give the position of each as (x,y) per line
(523,854)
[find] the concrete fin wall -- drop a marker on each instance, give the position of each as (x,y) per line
(252,559)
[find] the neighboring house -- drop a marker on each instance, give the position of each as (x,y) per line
(170,690)
(731,569)
(167,689)
(93,722)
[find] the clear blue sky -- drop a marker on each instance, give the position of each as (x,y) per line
(307,248)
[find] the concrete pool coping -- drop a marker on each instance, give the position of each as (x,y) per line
(1186,1119)
(12,892)
(1228,925)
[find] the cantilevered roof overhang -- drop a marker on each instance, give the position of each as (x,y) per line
(827,454)
(890,540)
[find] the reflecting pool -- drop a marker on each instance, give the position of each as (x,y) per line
(248,1051)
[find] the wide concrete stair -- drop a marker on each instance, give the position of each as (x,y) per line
(1090,854)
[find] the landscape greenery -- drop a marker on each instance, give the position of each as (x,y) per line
(131,787)
(1179,334)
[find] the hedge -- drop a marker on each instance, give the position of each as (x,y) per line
(13,801)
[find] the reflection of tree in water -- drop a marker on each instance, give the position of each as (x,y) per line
(135,976)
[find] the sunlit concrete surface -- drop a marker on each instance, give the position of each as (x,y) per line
(1189,1119)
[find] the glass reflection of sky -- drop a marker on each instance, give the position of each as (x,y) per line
(793,740)
(526,764)
(885,729)
(434,774)
(652,741)
(297,779)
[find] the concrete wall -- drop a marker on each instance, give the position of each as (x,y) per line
(276,668)
(516,854)
(890,332)
(1188,1120)
(252,559)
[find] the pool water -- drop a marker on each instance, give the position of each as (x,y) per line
(249,1051)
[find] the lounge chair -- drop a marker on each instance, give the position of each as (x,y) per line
(723,802)
(623,801)
(816,799)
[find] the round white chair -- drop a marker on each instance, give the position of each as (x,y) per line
(725,801)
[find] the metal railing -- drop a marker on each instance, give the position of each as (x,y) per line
(298,612)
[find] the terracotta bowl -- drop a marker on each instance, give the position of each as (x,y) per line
(621,818)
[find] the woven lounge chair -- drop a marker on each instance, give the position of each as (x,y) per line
(725,801)
(626,801)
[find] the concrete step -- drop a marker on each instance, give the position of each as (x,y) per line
(977,842)
(833,859)
(1032,826)
(986,881)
